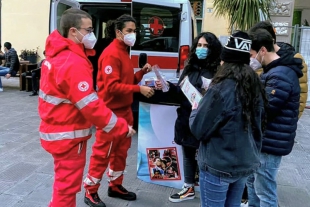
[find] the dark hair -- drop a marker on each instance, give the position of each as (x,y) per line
(72,18)
(249,88)
(267,26)
(8,45)
(44,52)
(261,38)
(117,24)
(214,50)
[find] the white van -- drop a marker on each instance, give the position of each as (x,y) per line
(165,28)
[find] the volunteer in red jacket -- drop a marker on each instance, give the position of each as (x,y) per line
(68,105)
(116,84)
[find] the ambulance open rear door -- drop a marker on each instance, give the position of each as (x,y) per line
(57,7)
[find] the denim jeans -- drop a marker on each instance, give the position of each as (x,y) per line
(218,191)
(189,164)
(262,185)
(3,72)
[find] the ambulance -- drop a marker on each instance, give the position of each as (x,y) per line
(165,28)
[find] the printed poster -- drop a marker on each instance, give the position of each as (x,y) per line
(160,160)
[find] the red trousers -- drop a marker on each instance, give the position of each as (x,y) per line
(108,150)
(68,169)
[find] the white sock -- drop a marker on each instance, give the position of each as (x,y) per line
(187,185)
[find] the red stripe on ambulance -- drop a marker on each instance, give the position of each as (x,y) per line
(162,62)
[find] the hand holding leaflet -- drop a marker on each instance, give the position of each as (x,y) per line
(191,93)
(164,84)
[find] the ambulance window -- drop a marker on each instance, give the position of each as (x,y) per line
(157,28)
(61,8)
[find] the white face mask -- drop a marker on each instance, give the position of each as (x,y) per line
(254,63)
(88,40)
(129,39)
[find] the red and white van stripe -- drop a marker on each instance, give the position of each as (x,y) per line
(162,61)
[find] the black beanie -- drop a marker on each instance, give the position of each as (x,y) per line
(237,48)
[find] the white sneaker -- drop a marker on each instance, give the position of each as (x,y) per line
(186,193)
(244,204)
(1,89)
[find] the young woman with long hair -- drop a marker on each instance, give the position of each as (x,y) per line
(204,58)
(229,123)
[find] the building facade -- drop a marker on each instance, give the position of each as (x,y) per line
(26,23)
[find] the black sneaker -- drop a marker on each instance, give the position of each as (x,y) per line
(186,193)
(120,192)
(93,200)
(34,94)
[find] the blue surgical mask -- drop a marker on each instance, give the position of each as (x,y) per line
(201,52)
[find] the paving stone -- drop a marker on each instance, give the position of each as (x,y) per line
(47,168)
(17,172)
(28,204)
(10,137)
(304,170)
(5,186)
(293,197)
(42,194)
(28,185)
(8,200)
(10,146)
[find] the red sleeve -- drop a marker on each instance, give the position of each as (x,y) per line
(112,79)
(138,76)
(79,89)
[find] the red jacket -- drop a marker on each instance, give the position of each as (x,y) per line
(68,105)
(116,79)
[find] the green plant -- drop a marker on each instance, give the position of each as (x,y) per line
(24,53)
(242,14)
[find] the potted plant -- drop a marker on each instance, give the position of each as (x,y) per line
(30,55)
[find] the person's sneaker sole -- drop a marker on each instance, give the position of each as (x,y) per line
(89,203)
(118,195)
(177,200)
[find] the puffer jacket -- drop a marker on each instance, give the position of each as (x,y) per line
(303,81)
(281,81)
(286,49)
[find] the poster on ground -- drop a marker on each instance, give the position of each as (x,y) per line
(160,160)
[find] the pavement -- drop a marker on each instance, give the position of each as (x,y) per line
(26,170)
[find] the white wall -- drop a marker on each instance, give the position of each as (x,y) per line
(25,23)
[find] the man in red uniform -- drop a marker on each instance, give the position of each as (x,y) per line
(116,84)
(68,105)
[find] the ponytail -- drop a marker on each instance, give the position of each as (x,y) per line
(109,30)
(118,24)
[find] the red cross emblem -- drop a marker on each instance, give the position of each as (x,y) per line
(108,69)
(157,26)
(83,86)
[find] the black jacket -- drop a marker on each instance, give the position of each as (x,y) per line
(183,135)
(226,148)
(11,61)
(281,81)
